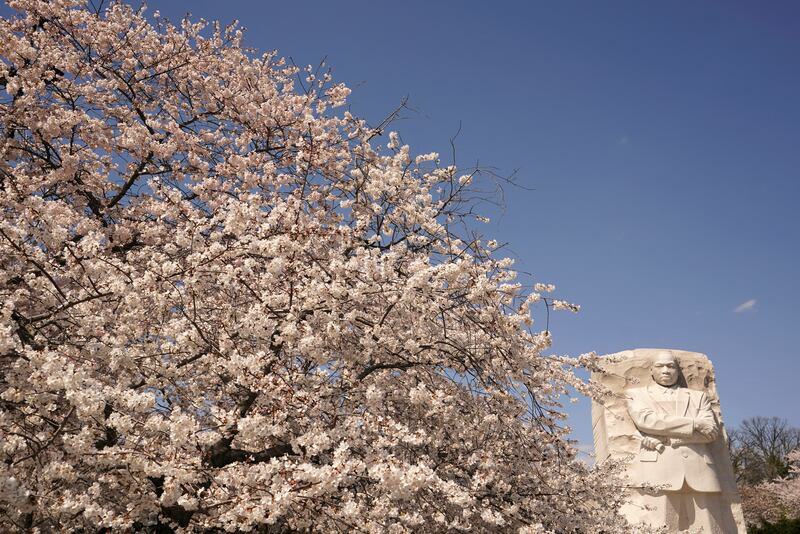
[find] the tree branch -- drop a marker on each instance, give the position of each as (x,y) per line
(129,182)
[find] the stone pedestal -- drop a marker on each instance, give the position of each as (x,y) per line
(628,377)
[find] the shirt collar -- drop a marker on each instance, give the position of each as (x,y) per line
(665,390)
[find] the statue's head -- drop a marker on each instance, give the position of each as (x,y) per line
(665,368)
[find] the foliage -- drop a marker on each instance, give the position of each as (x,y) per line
(782,526)
(771,506)
(766,458)
(226,307)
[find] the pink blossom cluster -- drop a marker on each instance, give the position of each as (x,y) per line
(774,500)
(227,306)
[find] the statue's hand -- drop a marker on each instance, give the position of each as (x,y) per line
(707,429)
(652,444)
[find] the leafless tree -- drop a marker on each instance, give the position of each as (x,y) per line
(759,448)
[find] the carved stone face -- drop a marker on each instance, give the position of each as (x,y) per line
(665,369)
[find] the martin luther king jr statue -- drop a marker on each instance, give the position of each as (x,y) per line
(678,469)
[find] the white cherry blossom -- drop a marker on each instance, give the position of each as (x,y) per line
(224,306)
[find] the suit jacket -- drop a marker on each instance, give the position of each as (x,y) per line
(686,455)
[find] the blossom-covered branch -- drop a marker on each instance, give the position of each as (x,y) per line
(225,306)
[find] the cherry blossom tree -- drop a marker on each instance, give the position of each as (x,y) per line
(227,306)
(788,489)
(774,501)
(766,456)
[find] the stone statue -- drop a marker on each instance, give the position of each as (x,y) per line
(671,435)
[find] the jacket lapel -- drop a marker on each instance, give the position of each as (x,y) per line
(655,402)
(683,401)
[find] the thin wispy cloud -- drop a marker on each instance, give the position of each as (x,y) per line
(745,306)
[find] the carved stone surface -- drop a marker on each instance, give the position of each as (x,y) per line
(667,426)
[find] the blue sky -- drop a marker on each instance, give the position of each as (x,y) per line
(657,144)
